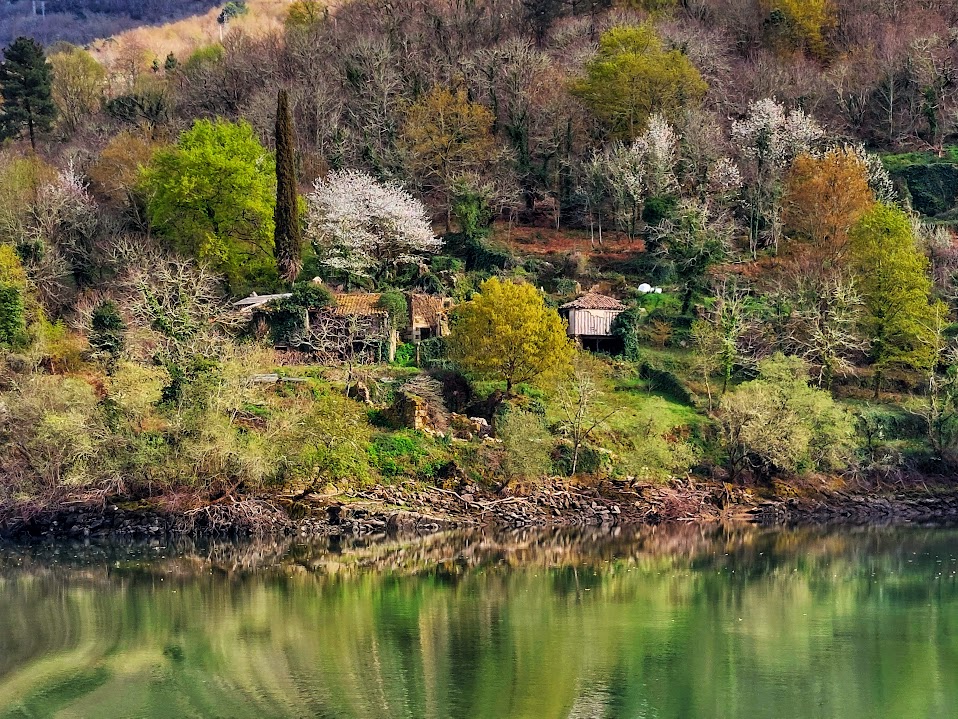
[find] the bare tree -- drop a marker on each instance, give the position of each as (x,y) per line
(581,405)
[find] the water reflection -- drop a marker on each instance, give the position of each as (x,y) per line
(688,623)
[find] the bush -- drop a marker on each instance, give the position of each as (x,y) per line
(13,329)
(405,454)
(526,443)
(777,423)
(394,303)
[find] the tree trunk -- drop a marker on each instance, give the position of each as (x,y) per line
(288,234)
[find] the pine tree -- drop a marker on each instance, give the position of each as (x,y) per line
(25,86)
(288,237)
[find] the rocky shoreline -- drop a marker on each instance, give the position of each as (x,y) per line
(415,509)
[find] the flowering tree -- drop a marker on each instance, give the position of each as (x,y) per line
(361,228)
(771,138)
(628,175)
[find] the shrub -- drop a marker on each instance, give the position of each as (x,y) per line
(777,423)
(526,443)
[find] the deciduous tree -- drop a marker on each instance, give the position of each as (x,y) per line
(824,197)
(445,136)
(634,76)
(777,423)
(364,229)
(212,194)
(896,290)
(508,334)
(79,82)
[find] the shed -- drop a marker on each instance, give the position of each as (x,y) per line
(590,319)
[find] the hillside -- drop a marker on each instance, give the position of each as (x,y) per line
(753,217)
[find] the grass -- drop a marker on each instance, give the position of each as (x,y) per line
(899,161)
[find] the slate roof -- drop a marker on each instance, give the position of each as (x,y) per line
(594,301)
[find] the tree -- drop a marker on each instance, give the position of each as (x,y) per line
(583,412)
(13,286)
(78,85)
(895,288)
(306,14)
(107,330)
(362,229)
(694,243)
(445,136)
(823,328)
(634,76)
(824,197)
(212,194)
(801,23)
(777,423)
(288,233)
(508,334)
(772,138)
(25,87)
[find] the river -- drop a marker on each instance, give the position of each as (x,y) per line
(682,623)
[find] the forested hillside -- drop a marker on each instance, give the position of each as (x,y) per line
(763,191)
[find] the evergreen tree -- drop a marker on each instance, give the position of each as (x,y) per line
(25,86)
(288,236)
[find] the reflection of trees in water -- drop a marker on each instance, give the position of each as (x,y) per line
(689,622)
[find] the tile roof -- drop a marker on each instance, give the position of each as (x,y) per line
(594,301)
(358,303)
(426,309)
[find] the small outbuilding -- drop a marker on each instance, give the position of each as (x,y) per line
(590,319)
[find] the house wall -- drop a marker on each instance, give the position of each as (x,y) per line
(591,323)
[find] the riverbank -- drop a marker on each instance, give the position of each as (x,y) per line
(415,508)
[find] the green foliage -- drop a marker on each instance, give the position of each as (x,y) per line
(208,55)
(777,423)
(896,290)
(287,316)
(394,302)
(507,333)
(107,330)
(148,106)
(633,76)
(472,204)
(526,443)
(628,327)
(26,81)
(405,454)
(13,329)
(405,355)
(479,255)
(212,195)
(232,9)
(192,383)
(332,439)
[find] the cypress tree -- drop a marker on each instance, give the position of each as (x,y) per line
(25,87)
(288,237)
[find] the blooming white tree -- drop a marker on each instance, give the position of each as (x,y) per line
(361,228)
(772,138)
(627,175)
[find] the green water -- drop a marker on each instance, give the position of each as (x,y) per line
(683,624)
